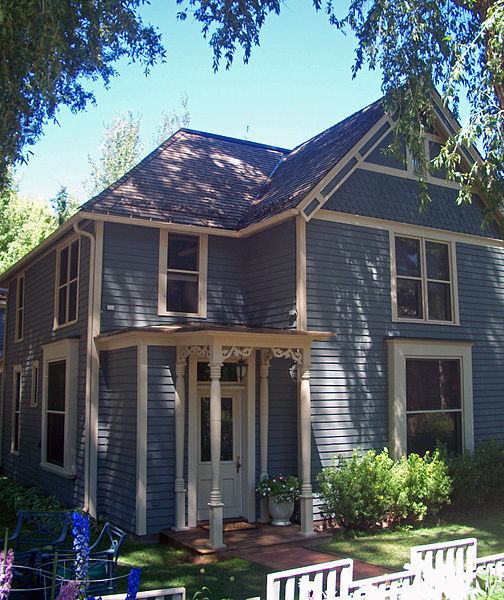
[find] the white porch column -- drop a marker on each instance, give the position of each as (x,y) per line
(215,505)
(306,498)
(263,425)
(180,489)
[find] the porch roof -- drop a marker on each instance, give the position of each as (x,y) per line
(195,333)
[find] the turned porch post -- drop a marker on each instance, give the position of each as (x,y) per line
(306,498)
(263,425)
(215,504)
(180,489)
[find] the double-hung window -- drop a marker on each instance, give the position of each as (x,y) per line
(182,274)
(20,302)
(430,395)
(59,406)
(67,284)
(17,388)
(423,287)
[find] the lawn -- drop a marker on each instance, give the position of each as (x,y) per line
(390,549)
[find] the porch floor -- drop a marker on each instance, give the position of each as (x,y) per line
(279,548)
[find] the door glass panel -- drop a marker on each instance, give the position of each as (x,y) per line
(226,429)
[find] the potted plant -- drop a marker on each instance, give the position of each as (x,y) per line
(282,491)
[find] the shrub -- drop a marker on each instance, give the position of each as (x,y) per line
(362,492)
(478,478)
(15,495)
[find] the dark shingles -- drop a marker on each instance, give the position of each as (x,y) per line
(196,178)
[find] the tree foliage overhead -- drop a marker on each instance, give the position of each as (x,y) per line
(49,48)
(454,46)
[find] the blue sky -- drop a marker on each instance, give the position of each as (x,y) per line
(297,83)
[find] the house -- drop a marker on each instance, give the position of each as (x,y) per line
(150,341)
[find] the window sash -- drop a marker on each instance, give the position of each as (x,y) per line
(20,300)
(67,288)
(420,297)
(16,409)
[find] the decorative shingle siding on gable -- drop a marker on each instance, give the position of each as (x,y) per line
(161,438)
(391,198)
(348,272)
(38,330)
(116,494)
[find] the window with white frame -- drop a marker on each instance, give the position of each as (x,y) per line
(430,395)
(34,393)
(59,406)
(182,274)
(17,389)
(67,284)
(20,301)
(423,282)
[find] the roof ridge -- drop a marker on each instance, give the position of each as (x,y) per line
(234,140)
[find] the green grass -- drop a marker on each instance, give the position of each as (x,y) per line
(390,549)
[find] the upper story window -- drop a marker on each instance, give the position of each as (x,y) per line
(16,409)
(182,274)
(423,286)
(20,301)
(67,284)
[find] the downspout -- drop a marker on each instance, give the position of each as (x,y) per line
(91,399)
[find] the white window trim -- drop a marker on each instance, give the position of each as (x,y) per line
(67,350)
(17,370)
(20,309)
(401,349)
(67,244)
(35,379)
(453,279)
(202,275)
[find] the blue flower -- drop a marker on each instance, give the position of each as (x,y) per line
(80,532)
(133,583)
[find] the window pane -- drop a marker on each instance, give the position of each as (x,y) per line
(226,429)
(409,298)
(439,297)
(438,262)
(427,430)
(432,384)
(55,439)
(62,305)
(182,252)
(21,292)
(407,257)
(17,392)
(63,266)
(74,260)
(19,333)
(56,386)
(72,301)
(15,444)
(182,293)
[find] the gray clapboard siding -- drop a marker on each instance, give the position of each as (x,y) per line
(130,279)
(161,438)
(38,330)
(282,434)
(383,196)
(117,416)
(271,276)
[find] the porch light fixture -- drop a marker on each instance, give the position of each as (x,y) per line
(293,372)
(241,370)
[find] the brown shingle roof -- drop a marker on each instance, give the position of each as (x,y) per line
(197,178)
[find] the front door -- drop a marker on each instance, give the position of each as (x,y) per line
(231,485)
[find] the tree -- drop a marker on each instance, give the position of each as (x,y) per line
(454,46)
(49,48)
(24,223)
(64,205)
(120,151)
(173,121)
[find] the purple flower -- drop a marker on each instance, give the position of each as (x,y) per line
(6,563)
(80,531)
(133,583)
(69,591)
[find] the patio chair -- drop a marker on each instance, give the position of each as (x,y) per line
(38,530)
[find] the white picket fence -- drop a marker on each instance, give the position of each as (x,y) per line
(164,594)
(444,571)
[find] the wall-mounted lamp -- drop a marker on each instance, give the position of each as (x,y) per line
(241,370)
(293,372)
